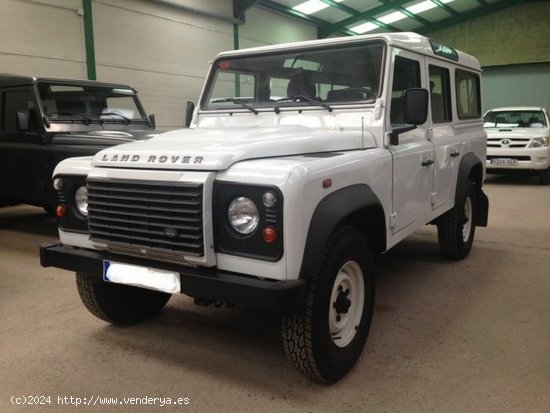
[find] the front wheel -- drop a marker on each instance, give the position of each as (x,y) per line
(456,228)
(117,303)
(325,339)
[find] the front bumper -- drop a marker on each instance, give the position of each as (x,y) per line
(527,158)
(279,297)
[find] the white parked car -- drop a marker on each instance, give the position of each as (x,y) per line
(301,162)
(518,138)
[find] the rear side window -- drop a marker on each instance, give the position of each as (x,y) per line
(468,100)
(440,94)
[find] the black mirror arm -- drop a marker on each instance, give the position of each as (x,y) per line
(394,134)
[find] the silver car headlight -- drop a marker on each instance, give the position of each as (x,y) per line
(539,142)
(81,200)
(243,215)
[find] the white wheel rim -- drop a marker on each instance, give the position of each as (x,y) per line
(349,283)
(467,227)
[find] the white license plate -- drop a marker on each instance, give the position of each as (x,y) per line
(152,279)
(504,161)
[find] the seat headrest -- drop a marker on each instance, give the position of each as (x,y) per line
(301,84)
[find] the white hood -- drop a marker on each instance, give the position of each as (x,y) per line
(217,149)
(516,133)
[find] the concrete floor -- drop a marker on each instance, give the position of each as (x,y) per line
(470,336)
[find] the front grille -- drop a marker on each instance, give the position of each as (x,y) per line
(155,219)
(510,143)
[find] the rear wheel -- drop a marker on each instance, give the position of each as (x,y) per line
(325,339)
(117,303)
(456,228)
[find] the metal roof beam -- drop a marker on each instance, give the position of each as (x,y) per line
(448,9)
(354,12)
(241,6)
(366,15)
(410,15)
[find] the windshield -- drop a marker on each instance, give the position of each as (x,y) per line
(515,119)
(305,77)
(89,103)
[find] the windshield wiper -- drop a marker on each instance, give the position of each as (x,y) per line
(125,120)
(86,119)
(306,98)
(240,102)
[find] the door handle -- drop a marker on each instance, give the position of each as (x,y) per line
(454,154)
(429,162)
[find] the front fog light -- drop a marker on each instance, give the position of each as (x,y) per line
(58,184)
(81,200)
(243,215)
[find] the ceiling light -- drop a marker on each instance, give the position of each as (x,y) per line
(312,6)
(365,27)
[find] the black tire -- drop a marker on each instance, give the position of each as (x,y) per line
(306,334)
(454,243)
(544,177)
(117,303)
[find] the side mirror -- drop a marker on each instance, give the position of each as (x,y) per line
(416,106)
(26,120)
(189,109)
(416,112)
(152,121)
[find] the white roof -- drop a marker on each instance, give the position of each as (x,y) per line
(405,40)
(514,108)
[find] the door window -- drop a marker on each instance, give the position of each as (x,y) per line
(14,101)
(406,75)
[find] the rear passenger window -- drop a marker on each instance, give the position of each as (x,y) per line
(468,100)
(406,75)
(440,94)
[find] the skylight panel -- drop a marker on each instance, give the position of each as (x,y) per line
(392,17)
(421,7)
(312,6)
(363,28)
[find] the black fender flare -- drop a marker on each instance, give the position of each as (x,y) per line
(332,210)
(471,170)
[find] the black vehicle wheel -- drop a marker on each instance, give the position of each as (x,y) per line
(325,339)
(456,228)
(544,177)
(116,303)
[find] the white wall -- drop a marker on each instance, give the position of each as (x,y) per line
(42,38)
(160,50)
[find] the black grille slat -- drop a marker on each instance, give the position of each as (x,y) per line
(91,200)
(171,200)
(155,216)
(169,218)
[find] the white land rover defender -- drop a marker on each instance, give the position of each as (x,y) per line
(301,162)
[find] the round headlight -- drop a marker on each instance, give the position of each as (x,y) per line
(243,215)
(81,200)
